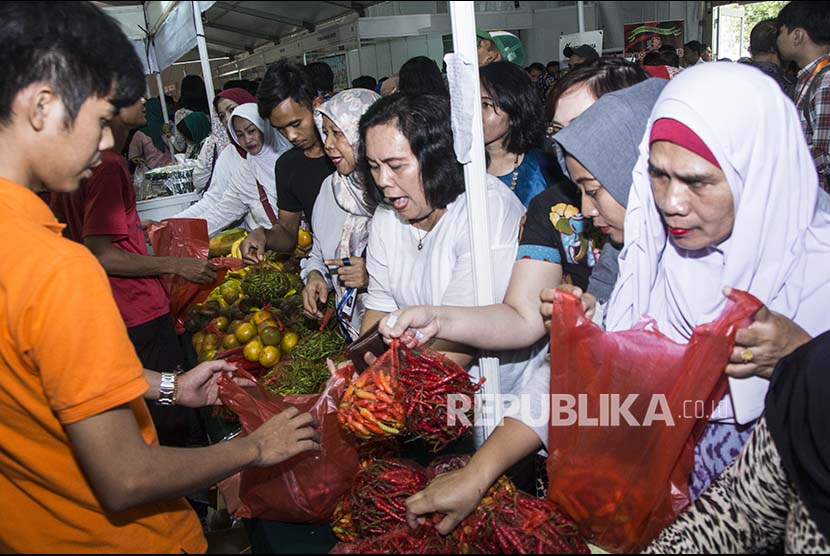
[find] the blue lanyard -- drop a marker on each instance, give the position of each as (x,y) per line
(341,321)
(344,328)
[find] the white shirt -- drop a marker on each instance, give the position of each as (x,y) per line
(204,163)
(179,142)
(327,224)
(442,272)
(236,197)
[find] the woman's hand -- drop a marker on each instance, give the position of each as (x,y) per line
(413,325)
(455,494)
(315,293)
(760,346)
(354,274)
(589,302)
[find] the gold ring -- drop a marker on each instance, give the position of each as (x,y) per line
(747,356)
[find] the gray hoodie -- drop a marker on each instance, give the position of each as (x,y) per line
(605,139)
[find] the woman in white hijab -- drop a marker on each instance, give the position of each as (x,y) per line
(725,196)
(341,215)
(251,194)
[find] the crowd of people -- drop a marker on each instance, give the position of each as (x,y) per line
(643,188)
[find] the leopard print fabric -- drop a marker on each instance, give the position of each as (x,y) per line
(751,508)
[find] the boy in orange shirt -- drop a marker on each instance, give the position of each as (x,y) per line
(80,465)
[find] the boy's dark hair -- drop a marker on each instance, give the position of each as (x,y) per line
(364,82)
(514,94)
(763,37)
(653,58)
(193,95)
(813,17)
(694,46)
(420,76)
(602,76)
(553,63)
(282,81)
(670,58)
(425,122)
(322,76)
(75,47)
(536,66)
(667,48)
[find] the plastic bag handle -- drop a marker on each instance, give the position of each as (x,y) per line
(738,313)
(567,310)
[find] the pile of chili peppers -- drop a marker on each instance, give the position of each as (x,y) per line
(406,391)
(370,407)
(376,502)
(506,521)
(401,540)
(428,379)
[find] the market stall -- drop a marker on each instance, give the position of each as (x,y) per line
(253,317)
(162,32)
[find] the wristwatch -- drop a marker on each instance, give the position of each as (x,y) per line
(167,389)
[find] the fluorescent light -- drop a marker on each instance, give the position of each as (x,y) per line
(199,61)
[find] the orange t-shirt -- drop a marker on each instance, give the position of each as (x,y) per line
(64,357)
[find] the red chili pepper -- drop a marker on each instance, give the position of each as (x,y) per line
(366,395)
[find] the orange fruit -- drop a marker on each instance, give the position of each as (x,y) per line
(234,325)
(253,350)
(210,342)
(230,341)
(221,323)
(269,357)
(270,336)
(197,340)
(289,340)
(304,238)
(267,323)
(245,332)
(230,293)
(262,316)
(209,355)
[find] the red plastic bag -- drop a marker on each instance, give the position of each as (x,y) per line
(621,479)
(186,237)
(306,488)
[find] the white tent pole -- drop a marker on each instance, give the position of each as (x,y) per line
(580,6)
(160,86)
(162,100)
(465,44)
(203,55)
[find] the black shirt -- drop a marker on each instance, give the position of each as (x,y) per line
(299,179)
(554,231)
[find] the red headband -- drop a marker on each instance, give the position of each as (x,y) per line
(666,129)
(239,96)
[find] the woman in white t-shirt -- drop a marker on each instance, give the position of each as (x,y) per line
(341,216)
(419,243)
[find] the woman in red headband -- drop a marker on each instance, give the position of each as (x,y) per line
(718,203)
